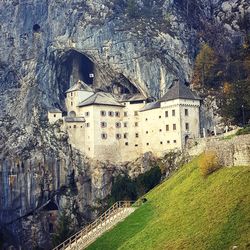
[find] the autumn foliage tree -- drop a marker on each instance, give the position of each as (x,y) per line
(205,68)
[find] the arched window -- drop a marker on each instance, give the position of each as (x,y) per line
(72,114)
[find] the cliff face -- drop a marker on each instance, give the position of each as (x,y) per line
(47,45)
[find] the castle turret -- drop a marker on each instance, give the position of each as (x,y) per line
(76,94)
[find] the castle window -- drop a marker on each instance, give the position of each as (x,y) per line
(161,142)
(136,145)
(87,124)
(136,113)
(69,126)
(74,126)
(167,127)
(136,124)
(136,135)
(160,130)
(125,124)
(103,124)
(125,136)
(71,93)
(146,119)
(147,144)
(118,124)
(118,136)
(168,142)
(111,113)
(174,141)
(71,103)
(104,136)
(55,115)
(187,126)
(160,117)
(166,113)
(126,143)
(81,126)
(125,114)
(186,112)
(103,113)
(86,113)
(173,112)
(174,126)
(117,114)
(146,132)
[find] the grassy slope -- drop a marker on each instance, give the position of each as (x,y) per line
(189,212)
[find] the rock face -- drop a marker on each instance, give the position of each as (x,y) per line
(47,45)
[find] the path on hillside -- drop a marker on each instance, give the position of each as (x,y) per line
(118,212)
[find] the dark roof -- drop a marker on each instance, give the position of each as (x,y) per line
(179,91)
(100,98)
(55,110)
(151,105)
(48,206)
(132,97)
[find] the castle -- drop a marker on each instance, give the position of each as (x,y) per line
(105,126)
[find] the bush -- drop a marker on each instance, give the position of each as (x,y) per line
(148,180)
(243,131)
(208,163)
(123,189)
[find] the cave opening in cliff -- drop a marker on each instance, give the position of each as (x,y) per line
(36,27)
(74,66)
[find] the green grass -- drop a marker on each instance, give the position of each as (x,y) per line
(228,137)
(189,212)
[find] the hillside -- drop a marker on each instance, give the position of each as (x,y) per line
(189,212)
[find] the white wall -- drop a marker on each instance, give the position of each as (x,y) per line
(74,98)
(53,117)
(151,130)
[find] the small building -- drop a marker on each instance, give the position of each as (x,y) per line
(50,212)
(54,115)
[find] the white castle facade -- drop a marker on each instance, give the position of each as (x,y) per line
(121,128)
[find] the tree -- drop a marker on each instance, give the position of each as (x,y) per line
(132,8)
(64,228)
(236,102)
(148,180)
(123,189)
(205,67)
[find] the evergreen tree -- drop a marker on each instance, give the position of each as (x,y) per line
(123,189)
(63,229)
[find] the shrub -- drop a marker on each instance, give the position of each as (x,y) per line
(148,180)
(208,163)
(123,189)
(243,131)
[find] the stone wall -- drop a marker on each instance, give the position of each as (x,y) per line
(232,152)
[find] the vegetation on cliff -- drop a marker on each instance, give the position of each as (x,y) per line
(227,77)
(189,212)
